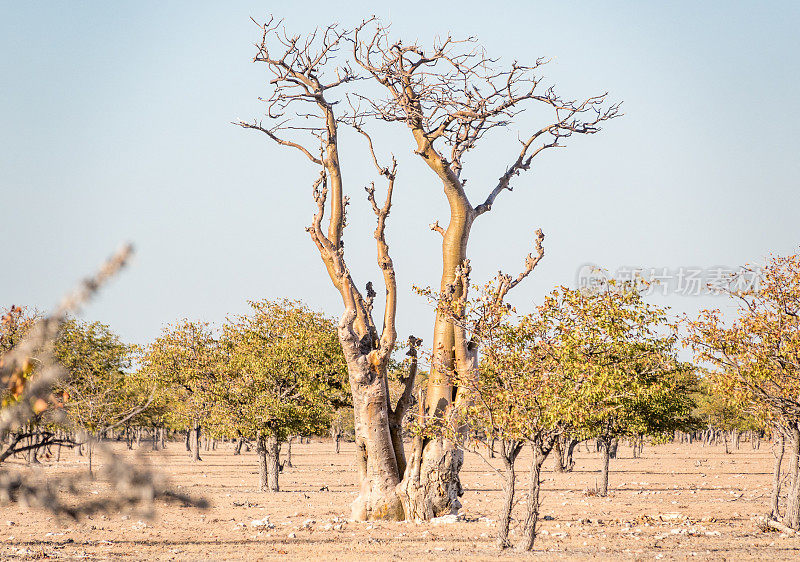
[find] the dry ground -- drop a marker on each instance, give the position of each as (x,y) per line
(677,502)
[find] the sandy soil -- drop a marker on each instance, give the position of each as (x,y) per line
(677,502)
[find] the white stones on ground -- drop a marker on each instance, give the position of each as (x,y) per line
(265,522)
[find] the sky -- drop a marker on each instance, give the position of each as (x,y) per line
(116,125)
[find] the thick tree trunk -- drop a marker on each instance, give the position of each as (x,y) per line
(268,450)
(532,517)
(138,437)
(780,446)
(441,461)
(188,442)
(154,437)
(431,487)
(237,450)
(792,518)
(336,440)
(606,446)
(375,452)
(162,433)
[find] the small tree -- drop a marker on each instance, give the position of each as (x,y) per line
(518,399)
(186,361)
(94,391)
(719,409)
(285,370)
(621,353)
(756,355)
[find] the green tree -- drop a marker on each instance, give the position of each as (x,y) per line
(186,360)
(621,353)
(518,399)
(755,356)
(285,371)
(94,389)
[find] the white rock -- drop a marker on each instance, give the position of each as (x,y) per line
(262,523)
(446,519)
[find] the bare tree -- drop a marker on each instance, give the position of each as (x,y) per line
(303,75)
(449,98)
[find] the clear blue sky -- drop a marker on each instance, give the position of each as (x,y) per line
(115,126)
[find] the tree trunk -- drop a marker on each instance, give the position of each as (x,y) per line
(558,466)
(79,443)
(606,445)
(268,450)
(532,517)
(510,451)
(612,451)
(792,518)
(138,437)
(33,452)
(237,450)
(154,437)
(776,477)
(196,443)
(375,452)
(188,441)
(336,440)
(162,432)
(289,452)
(90,450)
(441,461)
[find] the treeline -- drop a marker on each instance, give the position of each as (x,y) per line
(259,379)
